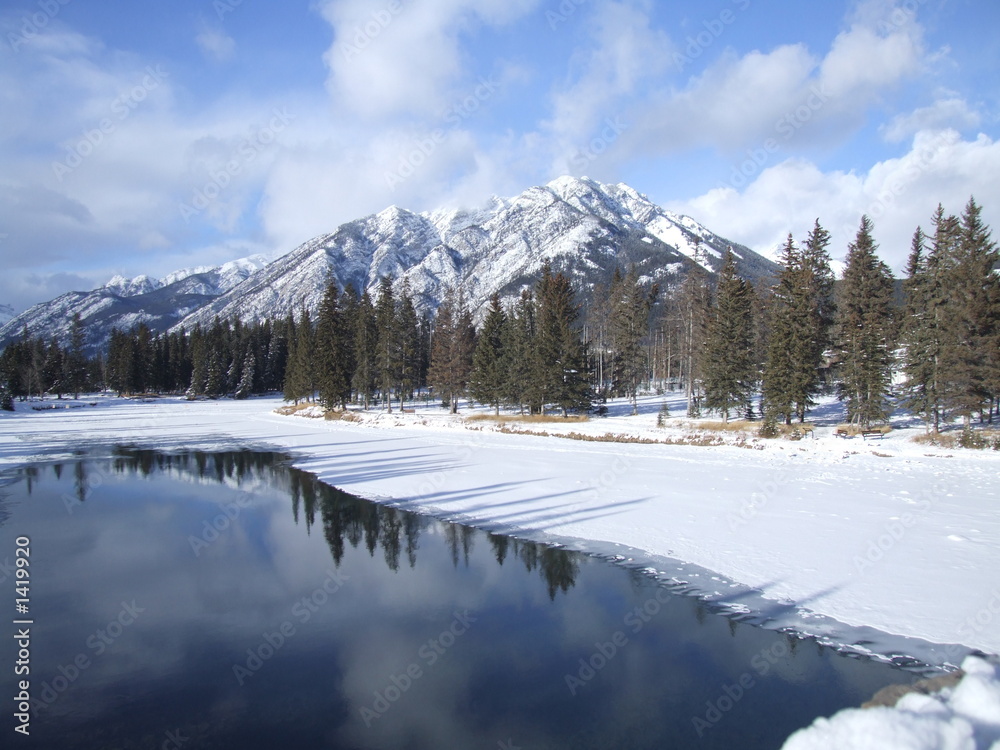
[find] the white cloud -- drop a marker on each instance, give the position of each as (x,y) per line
(951,112)
(898,194)
(216,44)
(623,56)
(402,59)
(786,94)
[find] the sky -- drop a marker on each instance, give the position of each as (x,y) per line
(142,138)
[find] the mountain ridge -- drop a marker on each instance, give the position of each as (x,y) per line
(580,226)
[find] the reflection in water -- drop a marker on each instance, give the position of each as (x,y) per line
(531,663)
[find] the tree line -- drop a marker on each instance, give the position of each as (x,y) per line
(734,349)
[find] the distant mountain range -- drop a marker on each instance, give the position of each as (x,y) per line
(582,227)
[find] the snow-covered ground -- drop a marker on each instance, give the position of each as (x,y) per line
(966,717)
(882,546)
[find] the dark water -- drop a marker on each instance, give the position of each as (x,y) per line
(230,601)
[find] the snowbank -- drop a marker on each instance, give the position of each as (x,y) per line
(966,717)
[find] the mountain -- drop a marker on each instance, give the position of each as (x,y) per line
(582,227)
(123,303)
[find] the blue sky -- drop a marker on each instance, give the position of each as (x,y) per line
(143,138)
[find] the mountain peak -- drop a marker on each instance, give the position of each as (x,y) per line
(584,228)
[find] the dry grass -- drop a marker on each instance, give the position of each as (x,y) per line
(974,439)
(504,419)
(341,416)
(290,409)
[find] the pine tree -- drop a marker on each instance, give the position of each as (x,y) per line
(299,384)
(486,384)
(365,378)
(76,360)
(922,327)
(631,304)
(865,331)
(693,304)
(349,302)
(560,361)
(727,358)
(969,357)
(820,311)
(800,315)
(406,330)
(332,379)
(520,387)
(199,362)
(452,347)
(387,354)
(245,386)
(52,370)
(784,350)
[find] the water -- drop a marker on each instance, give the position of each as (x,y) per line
(230,601)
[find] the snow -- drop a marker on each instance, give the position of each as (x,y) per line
(966,717)
(846,540)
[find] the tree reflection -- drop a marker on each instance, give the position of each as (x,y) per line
(346,519)
(352,521)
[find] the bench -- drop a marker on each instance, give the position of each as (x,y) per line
(408,411)
(865,434)
(842,432)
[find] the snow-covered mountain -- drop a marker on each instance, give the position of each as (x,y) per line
(582,227)
(123,303)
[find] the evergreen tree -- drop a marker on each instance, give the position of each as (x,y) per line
(349,302)
(452,347)
(820,311)
(923,319)
(489,375)
(387,356)
(406,330)
(53,369)
(560,361)
(693,305)
(728,362)
(299,371)
(245,386)
(518,362)
(365,378)
(631,304)
(799,315)
(332,377)
(199,362)
(865,331)
(76,360)
(969,355)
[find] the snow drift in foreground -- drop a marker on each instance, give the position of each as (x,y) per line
(966,717)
